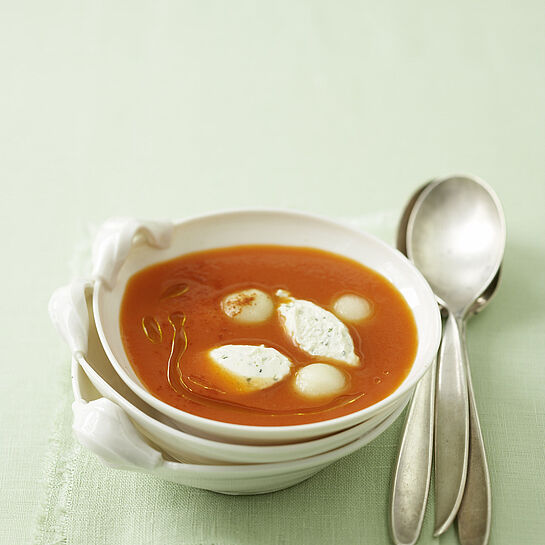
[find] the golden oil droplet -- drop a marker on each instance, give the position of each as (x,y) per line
(152,329)
(386,372)
(179,345)
(377,380)
(175,291)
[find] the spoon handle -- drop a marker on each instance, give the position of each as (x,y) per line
(451,425)
(475,510)
(413,469)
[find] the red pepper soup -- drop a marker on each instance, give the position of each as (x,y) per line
(267,335)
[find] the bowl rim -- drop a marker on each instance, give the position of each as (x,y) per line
(343,421)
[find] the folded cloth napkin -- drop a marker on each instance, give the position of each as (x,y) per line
(86,502)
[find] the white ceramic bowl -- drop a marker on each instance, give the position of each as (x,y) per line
(125,246)
(183,446)
(103,427)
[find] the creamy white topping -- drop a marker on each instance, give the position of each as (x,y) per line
(255,367)
(316,330)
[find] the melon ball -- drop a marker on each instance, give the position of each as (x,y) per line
(352,308)
(251,306)
(320,380)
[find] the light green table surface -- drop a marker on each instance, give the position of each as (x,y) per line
(161,110)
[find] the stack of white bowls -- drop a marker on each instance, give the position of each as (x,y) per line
(129,428)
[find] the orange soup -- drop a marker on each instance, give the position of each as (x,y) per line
(182,318)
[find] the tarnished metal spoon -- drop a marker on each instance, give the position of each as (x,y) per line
(412,473)
(475,512)
(456,237)
(411,479)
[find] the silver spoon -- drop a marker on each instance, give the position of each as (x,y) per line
(475,512)
(456,237)
(412,473)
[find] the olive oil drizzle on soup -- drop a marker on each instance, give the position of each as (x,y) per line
(172,318)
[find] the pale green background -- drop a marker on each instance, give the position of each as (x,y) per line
(161,110)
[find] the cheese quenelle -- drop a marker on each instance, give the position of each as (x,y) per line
(254,367)
(316,330)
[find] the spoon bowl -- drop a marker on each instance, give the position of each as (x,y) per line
(456,237)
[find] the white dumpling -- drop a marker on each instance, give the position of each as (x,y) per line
(254,367)
(251,306)
(320,380)
(352,308)
(316,330)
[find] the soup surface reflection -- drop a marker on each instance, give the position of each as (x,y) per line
(176,315)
